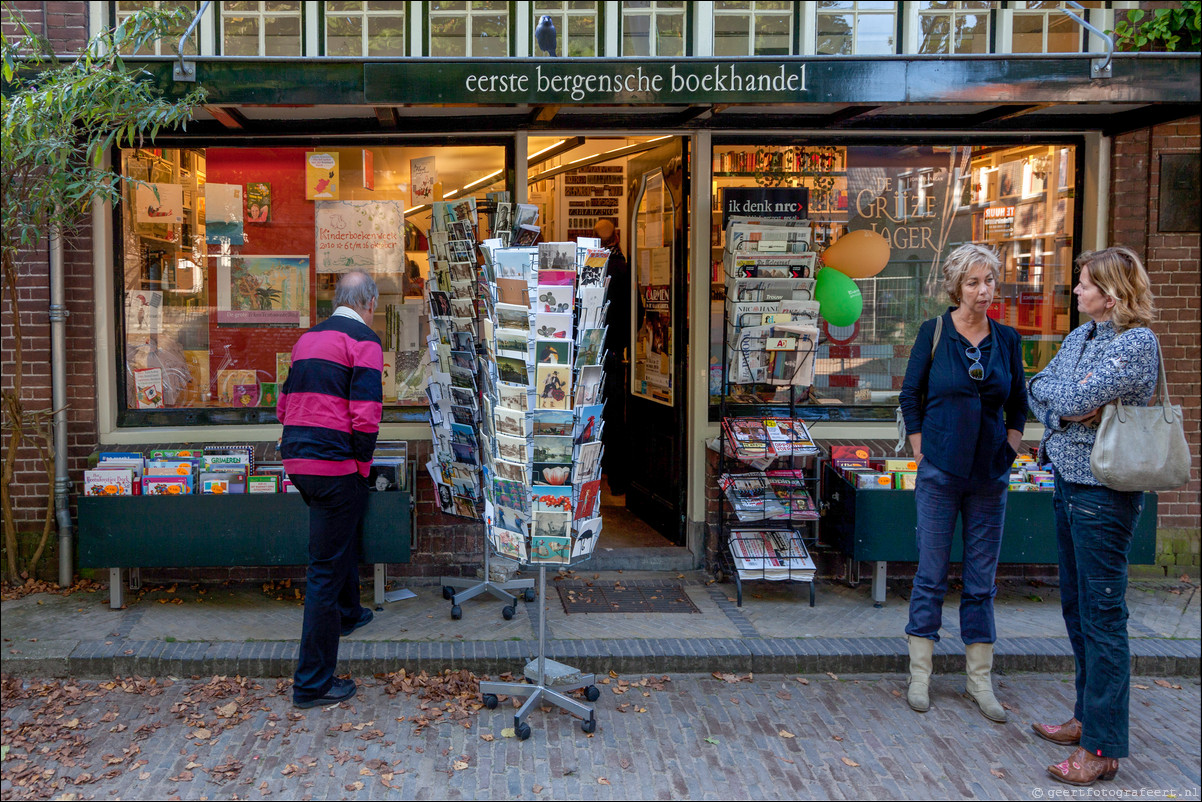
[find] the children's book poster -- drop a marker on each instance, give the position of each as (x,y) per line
(263,291)
(364,235)
(321,176)
(165,207)
(144,312)
(258,202)
(223,214)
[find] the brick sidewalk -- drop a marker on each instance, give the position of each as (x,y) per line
(695,737)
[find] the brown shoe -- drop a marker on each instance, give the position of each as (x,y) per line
(1066,734)
(1084,768)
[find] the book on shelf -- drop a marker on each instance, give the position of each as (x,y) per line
(771,554)
(111,481)
(263,483)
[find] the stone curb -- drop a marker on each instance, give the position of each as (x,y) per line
(117,657)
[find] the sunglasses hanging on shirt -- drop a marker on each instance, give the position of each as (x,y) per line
(976,370)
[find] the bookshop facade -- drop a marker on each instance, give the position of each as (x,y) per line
(296,171)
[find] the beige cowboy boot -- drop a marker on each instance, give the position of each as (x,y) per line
(979,685)
(922,654)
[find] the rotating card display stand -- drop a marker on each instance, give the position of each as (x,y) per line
(453,293)
(544,337)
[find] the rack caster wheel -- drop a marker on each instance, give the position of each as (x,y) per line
(447,593)
(522,731)
(456,612)
(491,701)
(589,725)
(592,693)
(528,594)
(507,612)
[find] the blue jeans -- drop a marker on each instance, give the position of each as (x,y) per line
(1094,528)
(336,508)
(941,498)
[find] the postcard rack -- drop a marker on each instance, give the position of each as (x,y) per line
(543,336)
(767,468)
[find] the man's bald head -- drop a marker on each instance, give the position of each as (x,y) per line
(607,232)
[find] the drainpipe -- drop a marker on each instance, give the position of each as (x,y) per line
(58,394)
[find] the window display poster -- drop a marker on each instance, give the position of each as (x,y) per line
(321,176)
(144,312)
(258,202)
(263,291)
(165,207)
(223,214)
(652,373)
(422,176)
(364,235)
(148,388)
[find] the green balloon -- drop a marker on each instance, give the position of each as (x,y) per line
(839,299)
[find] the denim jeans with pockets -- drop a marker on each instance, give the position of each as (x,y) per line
(941,498)
(1094,529)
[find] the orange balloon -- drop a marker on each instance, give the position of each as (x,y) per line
(858,254)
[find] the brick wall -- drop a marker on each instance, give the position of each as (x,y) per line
(64,23)
(1173,265)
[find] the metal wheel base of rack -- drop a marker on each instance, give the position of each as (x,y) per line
(540,690)
(470,588)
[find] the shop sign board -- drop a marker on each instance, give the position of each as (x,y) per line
(790,202)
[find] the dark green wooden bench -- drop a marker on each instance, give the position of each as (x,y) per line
(209,531)
(878,526)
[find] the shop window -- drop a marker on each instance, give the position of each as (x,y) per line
(856,27)
(262,28)
(925,201)
(576,27)
(947,26)
(753,28)
(365,28)
(1044,26)
(653,28)
(228,254)
(478,28)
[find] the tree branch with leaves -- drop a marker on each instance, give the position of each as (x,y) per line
(61,117)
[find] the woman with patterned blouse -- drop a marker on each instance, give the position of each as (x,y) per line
(1113,356)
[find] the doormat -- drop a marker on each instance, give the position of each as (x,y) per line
(617,597)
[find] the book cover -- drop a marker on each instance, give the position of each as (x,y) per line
(258,202)
(260,483)
(108,482)
(148,388)
(166,485)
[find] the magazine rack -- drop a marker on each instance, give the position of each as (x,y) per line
(767,519)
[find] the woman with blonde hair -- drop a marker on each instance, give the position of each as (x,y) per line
(1112,356)
(965,405)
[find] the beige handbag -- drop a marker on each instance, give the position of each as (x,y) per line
(1142,448)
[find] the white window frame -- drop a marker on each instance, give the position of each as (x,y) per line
(560,18)
(752,13)
(164,46)
(469,15)
(1101,18)
(365,14)
(811,13)
(912,24)
(262,15)
(653,12)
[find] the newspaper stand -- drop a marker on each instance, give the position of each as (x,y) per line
(543,422)
(770,337)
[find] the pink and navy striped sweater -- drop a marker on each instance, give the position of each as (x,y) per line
(331,403)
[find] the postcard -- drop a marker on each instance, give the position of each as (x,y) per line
(510,316)
(587,532)
(552,352)
(511,422)
(553,325)
(553,386)
(512,370)
(510,520)
(589,499)
(508,544)
(588,390)
(514,471)
(514,291)
(552,448)
(557,278)
(546,546)
(588,423)
(510,494)
(588,463)
(549,498)
(516,263)
(512,343)
(553,299)
(513,396)
(512,448)
(553,422)
(591,343)
(552,474)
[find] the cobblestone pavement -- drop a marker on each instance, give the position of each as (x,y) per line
(679,737)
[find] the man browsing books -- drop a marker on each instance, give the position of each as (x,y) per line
(330,406)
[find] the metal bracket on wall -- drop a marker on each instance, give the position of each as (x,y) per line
(186,70)
(1098,67)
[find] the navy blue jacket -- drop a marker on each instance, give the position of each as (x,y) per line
(963,422)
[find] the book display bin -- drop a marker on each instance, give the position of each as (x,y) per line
(227,531)
(877,526)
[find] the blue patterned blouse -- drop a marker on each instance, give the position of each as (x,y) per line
(1094,366)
